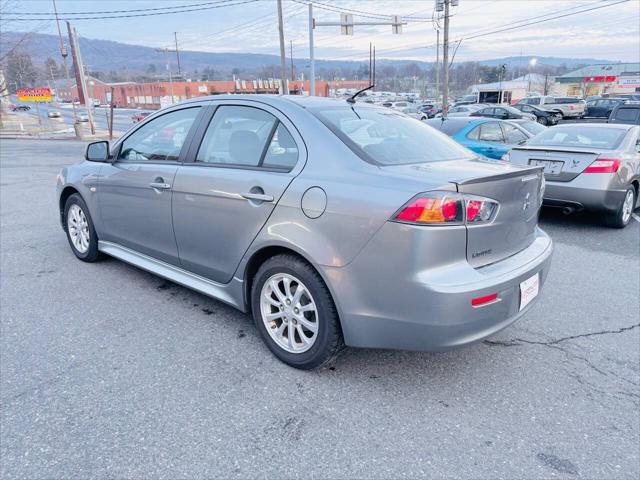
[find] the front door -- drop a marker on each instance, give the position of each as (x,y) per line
(135,190)
(221,200)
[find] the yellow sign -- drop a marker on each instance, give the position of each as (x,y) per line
(42,94)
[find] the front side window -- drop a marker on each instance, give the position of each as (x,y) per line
(491,132)
(161,139)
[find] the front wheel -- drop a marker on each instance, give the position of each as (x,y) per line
(542,121)
(621,217)
(80,231)
(294,313)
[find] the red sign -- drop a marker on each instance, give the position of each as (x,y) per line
(42,94)
(610,78)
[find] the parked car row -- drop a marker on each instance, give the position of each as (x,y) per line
(569,154)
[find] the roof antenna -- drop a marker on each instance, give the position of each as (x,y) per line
(372,76)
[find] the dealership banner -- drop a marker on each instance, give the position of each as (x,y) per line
(41,94)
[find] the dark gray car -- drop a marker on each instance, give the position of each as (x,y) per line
(332,223)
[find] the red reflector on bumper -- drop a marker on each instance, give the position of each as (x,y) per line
(476,302)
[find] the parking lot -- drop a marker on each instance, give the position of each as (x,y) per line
(108,371)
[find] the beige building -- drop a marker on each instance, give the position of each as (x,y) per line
(614,78)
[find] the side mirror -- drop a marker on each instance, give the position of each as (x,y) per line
(505,115)
(97,151)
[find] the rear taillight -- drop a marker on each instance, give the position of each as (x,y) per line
(603,165)
(433,208)
(447,208)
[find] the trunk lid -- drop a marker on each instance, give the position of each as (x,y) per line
(516,188)
(561,164)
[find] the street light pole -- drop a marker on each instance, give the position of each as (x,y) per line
(445,60)
(312,67)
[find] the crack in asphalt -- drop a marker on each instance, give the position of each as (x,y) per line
(520,341)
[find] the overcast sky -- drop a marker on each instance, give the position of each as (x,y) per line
(611,33)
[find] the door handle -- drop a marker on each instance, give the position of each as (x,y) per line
(160,185)
(258,197)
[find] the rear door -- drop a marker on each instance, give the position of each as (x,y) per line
(239,166)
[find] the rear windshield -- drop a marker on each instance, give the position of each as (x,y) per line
(533,127)
(626,114)
(387,137)
(607,138)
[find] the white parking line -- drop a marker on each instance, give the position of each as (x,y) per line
(636,217)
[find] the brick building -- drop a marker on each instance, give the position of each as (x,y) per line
(153,95)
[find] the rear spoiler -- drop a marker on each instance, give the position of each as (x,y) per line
(560,150)
(526,173)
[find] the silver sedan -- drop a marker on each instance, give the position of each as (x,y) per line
(587,166)
(332,223)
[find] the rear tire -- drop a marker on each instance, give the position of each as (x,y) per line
(81,233)
(313,313)
(621,217)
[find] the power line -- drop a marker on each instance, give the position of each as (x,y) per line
(219,4)
(121,11)
(360,13)
(500,29)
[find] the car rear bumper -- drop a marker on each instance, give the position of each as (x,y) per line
(386,307)
(587,191)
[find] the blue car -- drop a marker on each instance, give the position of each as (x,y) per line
(486,136)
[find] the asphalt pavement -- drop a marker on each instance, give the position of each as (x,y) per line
(110,372)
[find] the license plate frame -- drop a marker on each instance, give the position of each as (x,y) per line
(529,290)
(551,167)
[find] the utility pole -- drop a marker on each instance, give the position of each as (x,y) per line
(445,60)
(65,54)
(283,65)
(168,63)
(175,36)
(53,80)
(291,59)
(80,76)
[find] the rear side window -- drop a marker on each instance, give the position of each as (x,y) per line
(161,139)
(512,134)
(491,132)
(283,151)
(247,137)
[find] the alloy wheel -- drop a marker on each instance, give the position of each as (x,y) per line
(78,228)
(627,206)
(289,313)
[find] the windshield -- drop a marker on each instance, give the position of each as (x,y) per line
(608,138)
(387,137)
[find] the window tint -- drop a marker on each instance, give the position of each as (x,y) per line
(512,134)
(282,151)
(237,136)
(491,132)
(160,139)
